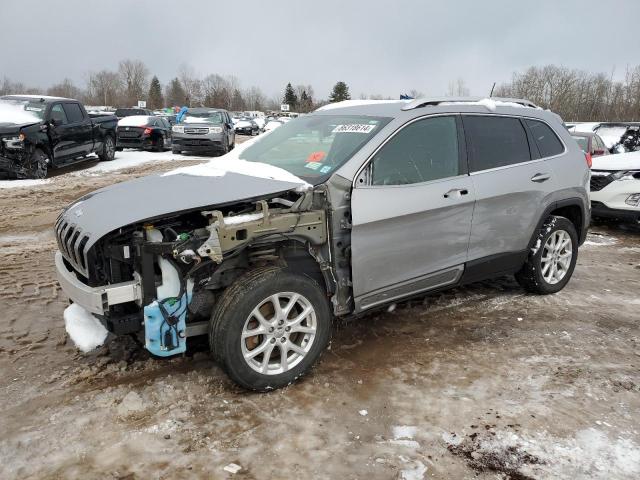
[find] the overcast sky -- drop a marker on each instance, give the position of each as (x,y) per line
(377,46)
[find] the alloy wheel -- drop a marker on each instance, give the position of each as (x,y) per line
(556,257)
(278,333)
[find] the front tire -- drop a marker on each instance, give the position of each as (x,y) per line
(552,259)
(38,165)
(108,149)
(269,328)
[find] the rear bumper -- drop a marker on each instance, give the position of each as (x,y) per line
(96,300)
(599,209)
(134,143)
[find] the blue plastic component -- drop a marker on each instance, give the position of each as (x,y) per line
(156,328)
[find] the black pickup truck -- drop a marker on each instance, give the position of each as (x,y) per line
(39,132)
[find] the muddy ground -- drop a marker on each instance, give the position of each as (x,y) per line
(482,382)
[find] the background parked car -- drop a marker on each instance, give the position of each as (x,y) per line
(144,132)
(615,187)
(130,112)
(272,125)
(247,126)
(206,130)
(590,143)
(618,137)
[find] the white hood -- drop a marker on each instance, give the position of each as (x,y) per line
(620,161)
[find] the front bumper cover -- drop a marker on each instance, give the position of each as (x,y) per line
(599,209)
(96,300)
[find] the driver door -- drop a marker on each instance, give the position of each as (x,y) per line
(411,213)
(63,141)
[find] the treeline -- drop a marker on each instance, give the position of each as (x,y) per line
(132,81)
(577,95)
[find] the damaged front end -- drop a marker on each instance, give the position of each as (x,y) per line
(15,153)
(162,277)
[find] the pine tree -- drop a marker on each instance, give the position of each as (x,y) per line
(340,92)
(290,97)
(306,102)
(176,95)
(155,100)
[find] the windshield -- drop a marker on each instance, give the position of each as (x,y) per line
(203,117)
(19,112)
(313,146)
(583,142)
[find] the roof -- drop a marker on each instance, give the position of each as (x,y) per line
(422,106)
(37,97)
(204,110)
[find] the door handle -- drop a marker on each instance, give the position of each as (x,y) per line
(540,177)
(457,192)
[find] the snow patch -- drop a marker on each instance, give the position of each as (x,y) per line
(598,240)
(489,103)
(232,468)
(364,413)
(134,121)
(16,114)
(357,103)
(415,473)
(85,330)
(231,163)
(23,183)
(404,431)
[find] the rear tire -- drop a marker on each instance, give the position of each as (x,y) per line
(108,149)
(175,151)
(552,259)
(158,144)
(289,338)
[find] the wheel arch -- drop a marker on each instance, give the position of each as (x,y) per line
(573,209)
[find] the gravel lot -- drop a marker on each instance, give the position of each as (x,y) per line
(482,382)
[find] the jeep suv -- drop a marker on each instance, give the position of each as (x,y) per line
(336,213)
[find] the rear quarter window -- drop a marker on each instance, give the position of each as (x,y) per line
(547,141)
(495,141)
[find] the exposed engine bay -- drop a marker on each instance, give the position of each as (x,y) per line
(182,263)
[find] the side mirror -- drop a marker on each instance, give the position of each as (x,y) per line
(598,152)
(56,122)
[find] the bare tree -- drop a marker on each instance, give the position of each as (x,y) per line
(7,87)
(65,89)
(134,76)
(104,88)
(457,88)
(192,85)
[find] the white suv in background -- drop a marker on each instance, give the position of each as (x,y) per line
(615,186)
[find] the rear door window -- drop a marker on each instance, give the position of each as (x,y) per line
(547,141)
(422,151)
(74,114)
(495,141)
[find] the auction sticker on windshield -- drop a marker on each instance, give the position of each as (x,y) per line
(353,128)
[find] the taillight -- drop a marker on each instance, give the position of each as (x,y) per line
(587,157)
(147,131)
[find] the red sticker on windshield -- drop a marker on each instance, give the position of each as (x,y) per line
(315,156)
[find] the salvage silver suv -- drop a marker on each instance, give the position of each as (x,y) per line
(334,213)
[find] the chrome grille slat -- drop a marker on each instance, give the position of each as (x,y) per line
(71,242)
